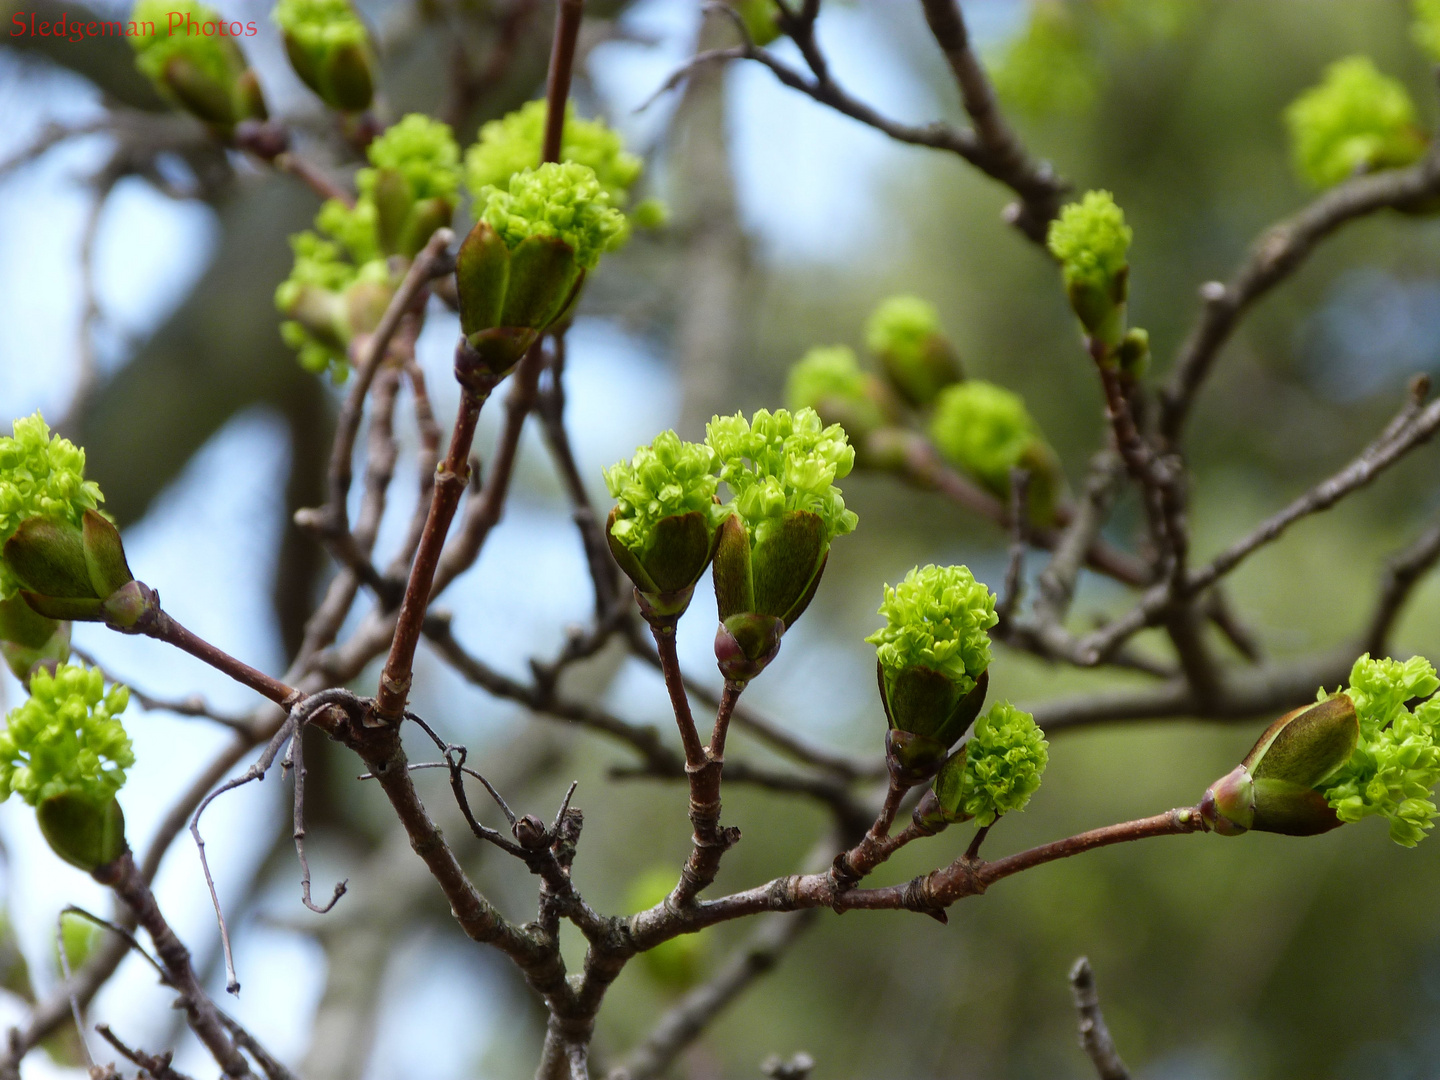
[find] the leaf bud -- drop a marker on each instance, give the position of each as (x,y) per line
(904,332)
(1092,242)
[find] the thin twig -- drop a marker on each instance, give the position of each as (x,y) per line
(1094,1035)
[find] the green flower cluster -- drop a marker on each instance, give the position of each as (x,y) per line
(666,478)
(1425,31)
(1396,762)
(421,150)
(1091,240)
(513,143)
(939,617)
(41,475)
(759,17)
(204,74)
(66,739)
(780,462)
(560,201)
(1356,120)
(831,381)
(1004,761)
(902,325)
(983,428)
(329,48)
(316,296)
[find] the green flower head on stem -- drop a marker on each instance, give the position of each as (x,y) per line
(329,48)
(65,752)
(1425,30)
(1002,766)
(831,381)
(986,431)
(41,476)
(781,468)
(521,268)
(662,530)
(564,202)
(513,144)
(932,658)
(203,73)
(1396,761)
(904,332)
(1356,120)
(412,183)
(1092,243)
(328,300)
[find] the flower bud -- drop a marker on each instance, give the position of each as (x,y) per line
(65,752)
(69,573)
(1133,356)
(205,75)
(512,145)
(904,332)
(664,527)
(524,261)
(1092,242)
(412,184)
(329,48)
(759,17)
(1356,120)
(830,381)
(1276,787)
(932,658)
(986,431)
(770,553)
(84,833)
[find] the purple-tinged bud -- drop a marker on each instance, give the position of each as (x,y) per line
(1228,807)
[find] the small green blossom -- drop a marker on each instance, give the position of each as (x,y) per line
(831,381)
(329,48)
(354,228)
(563,201)
(983,428)
(422,150)
(205,74)
(666,478)
(902,324)
(512,144)
(41,475)
(1356,120)
(1091,240)
(320,24)
(1396,763)
(1004,761)
(66,739)
(938,617)
(1425,31)
(782,461)
(317,287)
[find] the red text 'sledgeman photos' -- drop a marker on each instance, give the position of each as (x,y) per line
(27,24)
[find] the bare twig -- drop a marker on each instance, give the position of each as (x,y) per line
(1094,1035)
(155,1065)
(1371,462)
(690,1016)
(1277,254)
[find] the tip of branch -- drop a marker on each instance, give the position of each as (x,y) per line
(1081,974)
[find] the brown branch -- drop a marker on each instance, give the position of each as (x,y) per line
(1370,463)
(159,625)
(1276,255)
(1402,574)
(1094,1035)
(310,174)
(155,1065)
(124,877)
(1002,155)
(697,1010)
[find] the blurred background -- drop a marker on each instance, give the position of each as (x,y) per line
(148,274)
